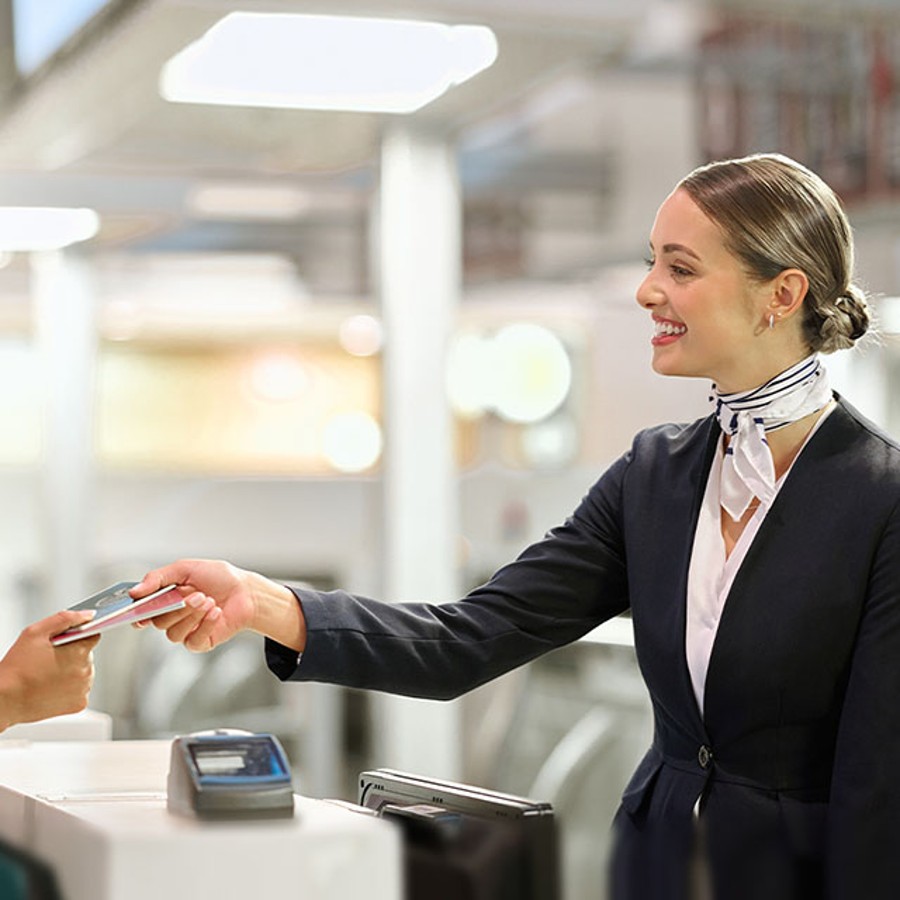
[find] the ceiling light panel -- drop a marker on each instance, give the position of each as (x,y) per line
(326,62)
(24,228)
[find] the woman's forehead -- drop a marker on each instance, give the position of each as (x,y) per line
(680,224)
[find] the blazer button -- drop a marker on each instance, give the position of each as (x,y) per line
(704,756)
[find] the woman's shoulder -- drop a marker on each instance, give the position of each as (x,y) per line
(860,449)
(866,427)
(850,422)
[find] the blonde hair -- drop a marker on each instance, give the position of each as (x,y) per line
(776,214)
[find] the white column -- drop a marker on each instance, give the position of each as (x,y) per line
(862,375)
(66,340)
(320,738)
(419,254)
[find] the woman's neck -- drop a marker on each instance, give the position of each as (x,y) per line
(759,370)
(785,443)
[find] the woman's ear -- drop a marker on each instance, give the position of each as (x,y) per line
(789,289)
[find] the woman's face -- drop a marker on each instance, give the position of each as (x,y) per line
(708,314)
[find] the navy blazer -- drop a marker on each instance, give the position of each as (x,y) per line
(796,756)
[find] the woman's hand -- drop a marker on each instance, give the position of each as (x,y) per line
(222,600)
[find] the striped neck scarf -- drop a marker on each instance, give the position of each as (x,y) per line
(748,470)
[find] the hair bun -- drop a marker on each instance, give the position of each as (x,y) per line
(852,303)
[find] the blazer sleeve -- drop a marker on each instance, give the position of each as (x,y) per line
(864,808)
(556,591)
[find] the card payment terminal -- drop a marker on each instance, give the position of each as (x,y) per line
(228,774)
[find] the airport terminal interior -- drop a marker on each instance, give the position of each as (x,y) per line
(383,349)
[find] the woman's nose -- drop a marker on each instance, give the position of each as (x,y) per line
(646,294)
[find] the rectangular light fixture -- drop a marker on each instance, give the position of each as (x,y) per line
(298,61)
(247,200)
(24,228)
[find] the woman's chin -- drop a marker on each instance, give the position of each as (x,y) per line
(663,364)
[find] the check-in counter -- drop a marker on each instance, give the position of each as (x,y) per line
(77,769)
(97,814)
(87,725)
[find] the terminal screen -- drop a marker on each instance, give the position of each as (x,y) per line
(246,759)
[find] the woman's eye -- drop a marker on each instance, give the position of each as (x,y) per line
(681,272)
(648,262)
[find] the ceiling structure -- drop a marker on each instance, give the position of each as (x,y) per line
(535,149)
(89,128)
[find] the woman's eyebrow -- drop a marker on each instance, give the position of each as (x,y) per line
(680,248)
(676,248)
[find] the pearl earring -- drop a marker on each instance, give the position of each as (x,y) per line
(771,320)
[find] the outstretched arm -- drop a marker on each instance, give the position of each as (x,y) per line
(222,600)
(38,680)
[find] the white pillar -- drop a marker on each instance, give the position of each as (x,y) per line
(862,376)
(66,339)
(419,254)
(320,738)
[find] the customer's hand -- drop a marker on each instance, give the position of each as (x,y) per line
(38,680)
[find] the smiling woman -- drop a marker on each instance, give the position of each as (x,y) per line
(707,312)
(731,256)
(756,550)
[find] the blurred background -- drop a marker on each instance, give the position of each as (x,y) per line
(380,350)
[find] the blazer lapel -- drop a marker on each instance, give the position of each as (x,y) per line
(767,556)
(676,494)
(712,443)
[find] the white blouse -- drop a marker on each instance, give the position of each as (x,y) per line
(711,574)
